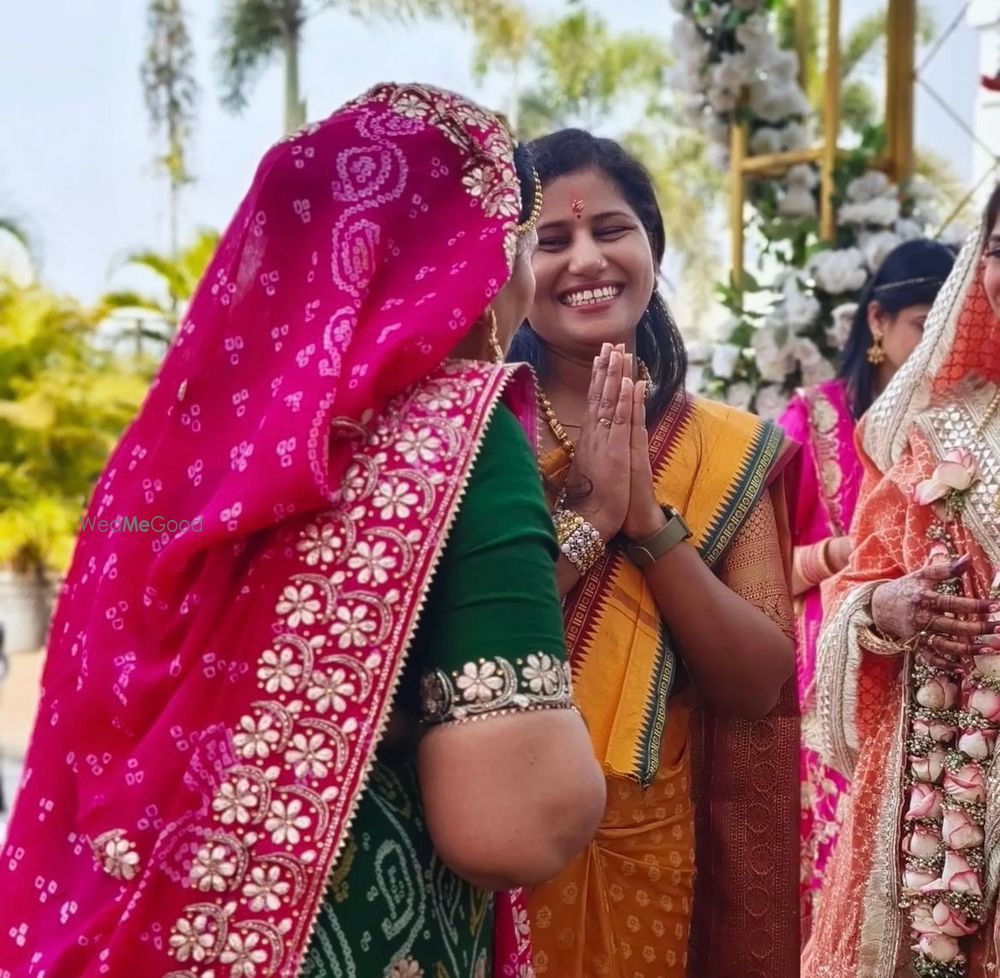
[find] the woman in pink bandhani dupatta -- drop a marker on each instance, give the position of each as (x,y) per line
(249,626)
(824,480)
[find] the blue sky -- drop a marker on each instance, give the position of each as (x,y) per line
(76,164)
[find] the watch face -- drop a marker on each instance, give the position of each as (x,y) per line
(672,514)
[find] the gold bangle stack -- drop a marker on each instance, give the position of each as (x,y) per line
(578,540)
(879,644)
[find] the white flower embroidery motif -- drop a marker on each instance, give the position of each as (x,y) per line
(410,106)
(477,180)
(395,500)
(284,821)
(119,858)
(234,802)
(330,691)
(372,563)
(279,671)
(405,968)
(308,756)
(442,398)
(244,954)
(212,869)
(265,888)
(353,626)
(479,684)
(502,202)
(256,736)
(354,483)
(541,673)
(191,939)
(320,544)
(298,604)
(419,446)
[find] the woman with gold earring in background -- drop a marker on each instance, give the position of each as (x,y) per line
(824,480)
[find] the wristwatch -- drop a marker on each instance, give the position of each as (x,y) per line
(644,553)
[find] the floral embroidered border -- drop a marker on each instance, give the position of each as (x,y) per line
(488,687)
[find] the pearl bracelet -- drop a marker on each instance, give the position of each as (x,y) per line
(578,540)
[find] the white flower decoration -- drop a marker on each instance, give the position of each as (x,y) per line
(119,858)
(479,683)
(405,968)
(213,869)
(309,756)
(191,939)
(279,670)
(235,802)
(265,888)
(419,446)
(298,604)
(541,672)
(284,821)
(256,736)
(319,544)
(330,691)
(394,500)
(372,562)
(353,625)
(243,953)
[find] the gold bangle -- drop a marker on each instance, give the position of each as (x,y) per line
(879,644)
(579,541)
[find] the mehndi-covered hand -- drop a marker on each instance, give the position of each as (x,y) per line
(948,624)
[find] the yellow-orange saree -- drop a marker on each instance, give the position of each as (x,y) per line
(629,906)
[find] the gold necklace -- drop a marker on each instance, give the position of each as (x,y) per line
(556,426)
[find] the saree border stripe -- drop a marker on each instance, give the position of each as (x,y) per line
(745,493)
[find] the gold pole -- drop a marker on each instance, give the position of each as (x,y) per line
(901,37)
(737,198)
(831,120)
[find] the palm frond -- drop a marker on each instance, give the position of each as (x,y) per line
(250,34)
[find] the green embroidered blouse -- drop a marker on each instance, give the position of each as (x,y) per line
(490,641)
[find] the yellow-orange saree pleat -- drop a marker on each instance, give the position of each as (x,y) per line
(624,907)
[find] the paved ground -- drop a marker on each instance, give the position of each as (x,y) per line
(18,702)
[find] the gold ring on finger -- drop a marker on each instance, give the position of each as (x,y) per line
(606,422)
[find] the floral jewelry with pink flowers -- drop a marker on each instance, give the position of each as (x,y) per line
(954,716)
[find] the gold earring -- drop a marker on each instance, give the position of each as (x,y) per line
(876,354)
(493,333)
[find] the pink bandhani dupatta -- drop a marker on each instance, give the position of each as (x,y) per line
(216,685)
(823,486)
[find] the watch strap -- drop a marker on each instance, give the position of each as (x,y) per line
(644,553)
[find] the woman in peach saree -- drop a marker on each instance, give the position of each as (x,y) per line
(908,690)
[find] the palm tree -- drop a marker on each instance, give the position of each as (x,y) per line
(171,94)
(154,315)
(254,32)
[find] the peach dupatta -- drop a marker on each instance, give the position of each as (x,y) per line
(935,404)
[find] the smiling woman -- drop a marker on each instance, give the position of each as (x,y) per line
(670,516)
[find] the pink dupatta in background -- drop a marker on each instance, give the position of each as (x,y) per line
(824,480)
(212,699)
